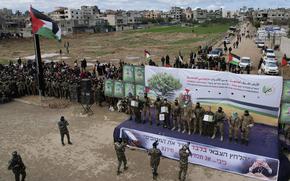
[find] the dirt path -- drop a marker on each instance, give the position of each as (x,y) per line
(32,131)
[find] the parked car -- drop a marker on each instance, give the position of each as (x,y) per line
(257,41)
(220,50)
(214,53)
(270,57)
(269,67)
(261,45)
(269,50)
(245,61)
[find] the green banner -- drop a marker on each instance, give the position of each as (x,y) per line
(139,75)
(140,89)
(109,88)
(128,73)
(129,88)
(285,113)
(286,91)
(118,89)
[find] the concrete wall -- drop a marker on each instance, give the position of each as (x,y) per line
(285,46)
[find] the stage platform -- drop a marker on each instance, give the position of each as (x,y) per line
(226,156)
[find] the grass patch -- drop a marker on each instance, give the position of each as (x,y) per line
(101,53)
(4,61)
(186,41)
(201,29)
(212,28)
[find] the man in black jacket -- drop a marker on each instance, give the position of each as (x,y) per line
(17,166)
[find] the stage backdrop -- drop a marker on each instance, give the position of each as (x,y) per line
(246,164)
(261,95)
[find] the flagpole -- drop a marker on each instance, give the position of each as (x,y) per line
(39,67)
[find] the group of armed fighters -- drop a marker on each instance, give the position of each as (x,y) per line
(60,80)
(183,117)
(155,155)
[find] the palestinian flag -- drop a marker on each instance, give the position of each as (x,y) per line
(284,61)
(234,59)
(147,55)
(43,25)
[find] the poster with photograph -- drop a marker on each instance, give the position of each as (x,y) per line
(139,72)
(128,73)
(286,91)
(109,85)
(140,91)
(118,89)
(129,88)
(285,113)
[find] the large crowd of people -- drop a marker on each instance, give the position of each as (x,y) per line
(60,79)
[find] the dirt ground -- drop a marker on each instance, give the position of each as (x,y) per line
(32,131)
(108,47)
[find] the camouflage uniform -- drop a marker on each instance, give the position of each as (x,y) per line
(199,113)
(146,109)
(157,106)
(176,116)
(234,126)
(130,108)
(120,151)
(166,123)
(137,111)
(186,117)
(219,118)
(155,154)
(246,122)
(184,153)
(62,125)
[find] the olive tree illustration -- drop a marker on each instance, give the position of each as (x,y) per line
(164,84)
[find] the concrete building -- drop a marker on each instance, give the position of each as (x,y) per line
(153,14)
(176,13)
(90,12)
(272,15)
(122,20)
(214,14)
(11,22)
(188,14)
(200,15)
(59,14)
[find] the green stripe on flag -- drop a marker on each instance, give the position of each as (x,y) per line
(46,32)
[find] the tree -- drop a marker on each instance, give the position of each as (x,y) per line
(164,84)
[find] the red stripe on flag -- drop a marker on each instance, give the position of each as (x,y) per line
(36,23)
(284,62)
(230,58)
